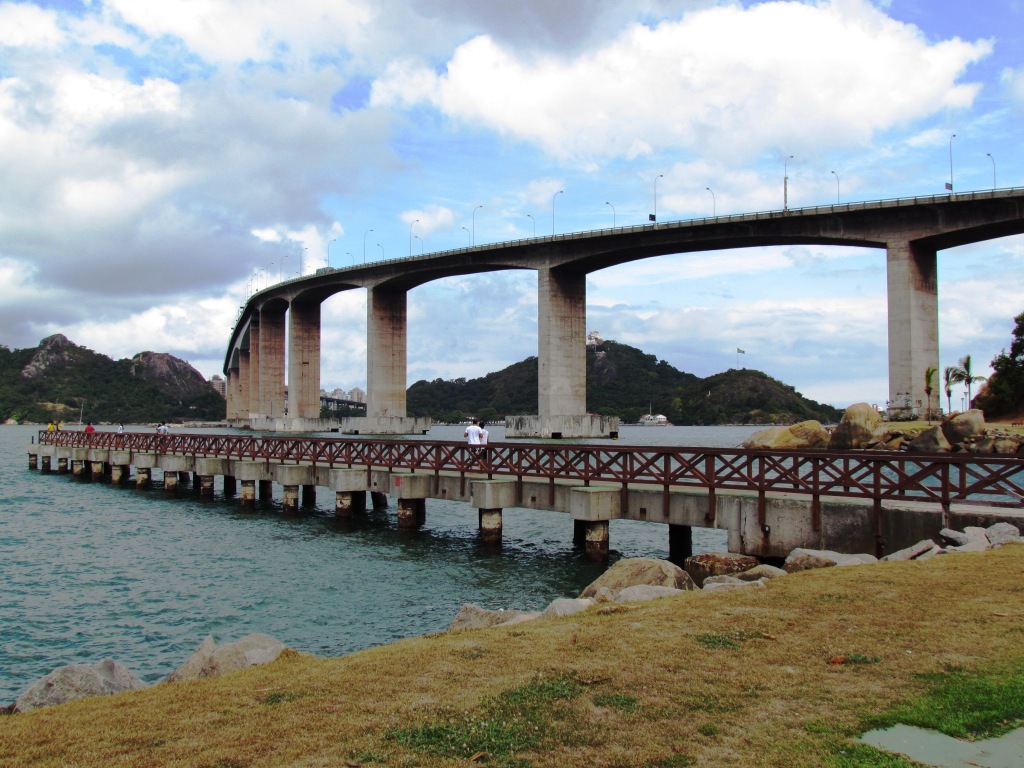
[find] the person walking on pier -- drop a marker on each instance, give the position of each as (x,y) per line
(89,428)
(473,433)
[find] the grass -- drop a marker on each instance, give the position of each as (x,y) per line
(701,679)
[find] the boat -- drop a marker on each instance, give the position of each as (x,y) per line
(653,420)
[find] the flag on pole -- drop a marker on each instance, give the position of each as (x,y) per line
(740,351)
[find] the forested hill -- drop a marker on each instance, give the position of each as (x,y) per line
(60,380)
(623,381)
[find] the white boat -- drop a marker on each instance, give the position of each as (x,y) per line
(653,420)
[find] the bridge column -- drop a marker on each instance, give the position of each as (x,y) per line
(490,497)
(254,363)
(912,286)
(349,491)
(231,394)
(591,509)
(304,360)
(386,328)
(292,476)
(244,380)
(411,490)
(271,370)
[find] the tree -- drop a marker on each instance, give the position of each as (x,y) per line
(929,387)
(965,375)
(950,376)
(1004,395)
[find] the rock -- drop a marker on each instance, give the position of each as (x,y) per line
(78,681)
(857,428)
(1002,533)
(472,616)
(731,585)
(808,559)
(954,538)
(722,579)
(977,541)
(212,660)
(643,592)
(566,606)
(520,618)
(1005,446)
(640,570)
(931,440)
(935,550)
(912,552)
(763,571)
(806,434)
(716,564)
(957,427)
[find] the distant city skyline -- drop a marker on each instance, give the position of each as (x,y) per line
(164,161)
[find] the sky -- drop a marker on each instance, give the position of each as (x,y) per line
(163,159)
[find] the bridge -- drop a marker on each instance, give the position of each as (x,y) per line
(910,230)
(769,502)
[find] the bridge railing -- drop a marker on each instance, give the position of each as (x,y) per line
(867,475)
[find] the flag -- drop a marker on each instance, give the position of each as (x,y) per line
(651,217)
(740,351)
(949,186)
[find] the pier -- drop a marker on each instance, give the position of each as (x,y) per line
(769,502)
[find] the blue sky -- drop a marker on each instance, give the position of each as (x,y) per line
(163,159)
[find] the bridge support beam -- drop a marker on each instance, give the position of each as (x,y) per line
(304,360)
(244,403)
(62,465)
(912,286)
(411,491)
(271,370)
(292,476)
(490,497)
(254,363)
(349,492)
(591,509)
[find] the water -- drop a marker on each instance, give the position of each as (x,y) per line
(93,571)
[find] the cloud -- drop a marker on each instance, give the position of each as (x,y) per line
(725,81)
(24,25)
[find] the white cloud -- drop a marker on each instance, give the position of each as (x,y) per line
(29,26)
(727,81)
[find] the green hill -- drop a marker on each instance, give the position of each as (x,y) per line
(624,381)
(61,380)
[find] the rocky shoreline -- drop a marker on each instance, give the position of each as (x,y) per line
(629,580)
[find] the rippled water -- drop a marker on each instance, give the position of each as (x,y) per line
(93,571)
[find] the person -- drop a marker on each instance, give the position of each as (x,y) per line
(89,428)
(163,429)
(484,434)
(472,433)
(120,428)
(51,427)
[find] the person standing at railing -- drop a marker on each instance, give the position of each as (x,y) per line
(89,428)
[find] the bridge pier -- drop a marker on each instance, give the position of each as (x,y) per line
(349,491)
(292,476)
(62,465)
(272,357)
(309,495)
(304,360)
(266,490)
(119,473)
(913,300)
(170,481)
(230,486)
(490,497)
(142,477)
(592,508)
(411,491)
(249,473)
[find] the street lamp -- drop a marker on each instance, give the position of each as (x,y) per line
(472,239)
(381,251)
(281,273)
(785,184)
(364,243)
(414,221)
(469,237)
(714,207)
(949,186)
(349,253)
(654,216)
(837,186)
(559,192)
(989,155)
(613,213)
(329,252)
(421,243)
(530,216)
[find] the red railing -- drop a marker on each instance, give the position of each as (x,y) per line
(869,475)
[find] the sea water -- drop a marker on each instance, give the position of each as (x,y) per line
(92,571)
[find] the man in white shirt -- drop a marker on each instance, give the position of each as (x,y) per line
(473,433)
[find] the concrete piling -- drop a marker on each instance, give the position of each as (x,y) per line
(591,508)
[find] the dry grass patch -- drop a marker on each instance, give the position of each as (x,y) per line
(701,679)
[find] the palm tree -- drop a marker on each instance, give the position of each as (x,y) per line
(950,376)
(929,387)
(968,379)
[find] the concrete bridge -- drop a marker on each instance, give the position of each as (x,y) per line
(768,502)
(910,230)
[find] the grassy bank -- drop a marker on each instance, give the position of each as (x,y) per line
(778,677)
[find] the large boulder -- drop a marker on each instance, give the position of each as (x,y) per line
(957,427)
(1002,533)
(212,660)
(472,616)
(801,559)
(700,567)
(78,681)
(857,428)
(632,571)
(566,606)
(931,440)
(806,434)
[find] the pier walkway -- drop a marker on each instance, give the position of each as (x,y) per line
(769,501)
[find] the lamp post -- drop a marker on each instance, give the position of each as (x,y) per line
(837,186)
(421,243)
(472,239)
(258,279)
(364,243)
(654,216)
(414,221)
(329,252)
(989,155)
(381,251)
(950,185)
(530,216)
(349,253)
(714,206)
(281,273)
(613,212)
(469,237)
(559,192)
(785,183)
